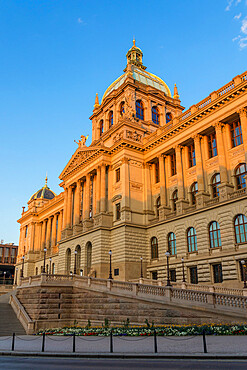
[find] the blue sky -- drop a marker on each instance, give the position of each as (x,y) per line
(55,55)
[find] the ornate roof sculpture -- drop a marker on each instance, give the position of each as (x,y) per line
(138,71)
(44,193)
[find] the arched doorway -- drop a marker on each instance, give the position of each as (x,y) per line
(78,259)
(68,261)
(88,256)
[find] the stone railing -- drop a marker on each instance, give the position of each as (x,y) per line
(218,300)
(237,194)
(21,314)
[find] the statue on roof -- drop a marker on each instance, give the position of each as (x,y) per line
(82,143)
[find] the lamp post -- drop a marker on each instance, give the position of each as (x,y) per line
(81,272)
(22,270)
(110,273)
(168,271)
(16,273)
(4,276)
(44,260)
(244,272)
(182,259)
(141,268)
(50,264)
(75,263)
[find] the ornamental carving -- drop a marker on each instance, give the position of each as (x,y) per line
(118,136)
(135,163)
(129,110)
(116,197)
(136,186)
(133,135)
(77,161)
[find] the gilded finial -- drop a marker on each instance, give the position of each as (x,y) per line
(134,42)
(175,95)
(96,104)
(46,179)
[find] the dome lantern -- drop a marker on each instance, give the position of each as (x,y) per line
(134,56)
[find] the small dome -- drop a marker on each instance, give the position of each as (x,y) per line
(44,193)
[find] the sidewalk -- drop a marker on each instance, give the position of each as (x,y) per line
(127,347)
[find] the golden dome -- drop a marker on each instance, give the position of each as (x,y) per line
(44,193)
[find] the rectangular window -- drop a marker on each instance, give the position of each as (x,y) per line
(236,133)
(118,211)
(217,272)
(6,255)
(212,145)
(13,256)
(26,229)
(173,275)
(193,275)
(118,175)
(116,272)
(1,254)
(173,164)
(157,172)
(155,275)
(192,155)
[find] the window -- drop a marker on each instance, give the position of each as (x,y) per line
(121,108)
(110,118)
(240,173)
(168,117)
(154,248)
(36,271)
(53,269)
(191,240)
(88,257)
(155,115)
(26,229)
(158,204)
(116,272)
(68,260)
(173,275)
(192,155)
(212,145)
(174,199)
(1,254)
(172,244)
(157,172)
(240,225)
(13,256)
(214,235)
(101,127)
(236,133)
(155,275)
(139,110)
(173,164)
(118,175)
(193,275)
(118,212)
(6,255)
(215,185)
(194,190)
(217,273)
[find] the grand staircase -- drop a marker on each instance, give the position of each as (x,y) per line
(9,323)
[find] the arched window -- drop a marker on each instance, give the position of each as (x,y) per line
(53,269)
(240,225)
(154,248)
(68,260)
(168,117)
(215,185)
(121,108)
(194,190)
(240,173)
(191,240)
(155,115)
(172,244)
(139,110)
(47,269)
(214,235)
(110,118)
(78,259)
(174,199)
(36,271)
(101,127)
(158,204)
(89,256)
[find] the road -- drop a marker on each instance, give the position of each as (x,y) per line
(37,363)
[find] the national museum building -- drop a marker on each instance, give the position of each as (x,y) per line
(154,179)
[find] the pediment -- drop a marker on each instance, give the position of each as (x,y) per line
(80,158)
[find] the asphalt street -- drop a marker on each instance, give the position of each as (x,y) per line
(31,363)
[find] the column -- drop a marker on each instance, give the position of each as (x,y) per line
(199,170)
(125,183)
(98,186)
(65,208)
(77,203)
(87,197)
(221,153)
(102,190)
(32,236)
(179,172)
(162,180)
(167,163)
(243,120)
(148,111)
(54,226)
(68,209)
(43,235)
(37,236)
(148,190)
(205,147)
(48,233)
(60,221)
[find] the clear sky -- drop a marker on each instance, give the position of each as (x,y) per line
(56,54)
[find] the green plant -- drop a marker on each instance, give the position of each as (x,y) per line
(106,323)
(75,322)
(126,323)
(88,326)
(147,323)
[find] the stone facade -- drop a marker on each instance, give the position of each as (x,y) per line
(154,179)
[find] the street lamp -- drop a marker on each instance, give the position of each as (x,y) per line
(110,273)
(244,272)
(50,264)
(141,268)
(182,259)
(81,272)
(168,271)
(4,275)
(22,270)
(75,263)
(16,275)
(44,260)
